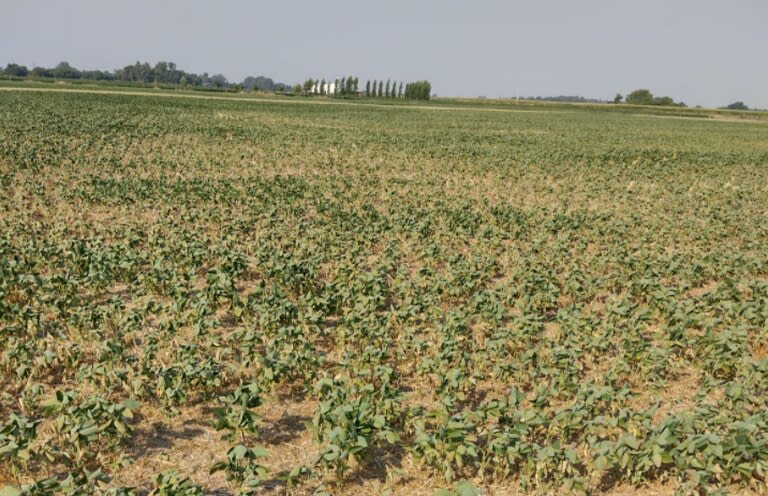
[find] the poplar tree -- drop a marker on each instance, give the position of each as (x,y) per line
(368,88)
(349,86)
(419,90)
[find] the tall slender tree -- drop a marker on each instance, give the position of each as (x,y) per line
(400,90)
(348,86)
(419,90)
(368,88)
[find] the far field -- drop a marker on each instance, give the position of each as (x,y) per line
(388,299)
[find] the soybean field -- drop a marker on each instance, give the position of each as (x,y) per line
(213,296)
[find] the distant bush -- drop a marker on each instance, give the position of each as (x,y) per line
(645,97)
(737,106)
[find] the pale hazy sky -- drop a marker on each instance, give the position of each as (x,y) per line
(708,52)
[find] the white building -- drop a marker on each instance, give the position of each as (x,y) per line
(330,88)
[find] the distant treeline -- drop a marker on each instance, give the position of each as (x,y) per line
(637,97)
(565,98)
(143,72)
(167,73)
(349,86)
